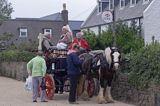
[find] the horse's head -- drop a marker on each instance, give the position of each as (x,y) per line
(113,57)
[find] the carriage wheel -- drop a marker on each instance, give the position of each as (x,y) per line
(49,87)
(91,87)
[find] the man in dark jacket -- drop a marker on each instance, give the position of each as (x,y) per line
(73,70)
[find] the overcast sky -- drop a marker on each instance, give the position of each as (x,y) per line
(78,9)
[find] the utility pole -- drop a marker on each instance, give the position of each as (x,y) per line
(114,25)
(110,17)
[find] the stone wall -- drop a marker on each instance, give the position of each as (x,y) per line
(123,91)
(16,70)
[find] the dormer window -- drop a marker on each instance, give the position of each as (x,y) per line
(122,4)
(103,5)
(111,4)
(132,3)
(145,1)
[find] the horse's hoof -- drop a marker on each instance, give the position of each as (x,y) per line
(110,101)
(102,102)
(85,99)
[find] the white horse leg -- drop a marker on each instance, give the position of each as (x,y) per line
(100,97)
(84,95)
(106,95)
(80,85)
(110,99)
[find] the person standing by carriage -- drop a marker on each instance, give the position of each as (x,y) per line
(36,67)
(73,71)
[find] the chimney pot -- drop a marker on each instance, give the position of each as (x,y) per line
(64,6)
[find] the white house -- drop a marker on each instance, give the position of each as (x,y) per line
(145,13)
(152,22)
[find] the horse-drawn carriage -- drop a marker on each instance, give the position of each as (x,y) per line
(57,79)
(98,69)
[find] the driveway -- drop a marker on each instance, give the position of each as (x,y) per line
(12,93)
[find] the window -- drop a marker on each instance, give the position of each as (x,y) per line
(94,30)
(122,4)
(145,1)
(104,28)
(103,5)
(23,32)
(111,4)
(132,3)
(48,30)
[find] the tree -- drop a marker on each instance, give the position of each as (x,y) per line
(5,10)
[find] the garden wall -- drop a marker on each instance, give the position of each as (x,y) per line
(16,70)
(123,91)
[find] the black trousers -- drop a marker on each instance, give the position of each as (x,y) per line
(73,86)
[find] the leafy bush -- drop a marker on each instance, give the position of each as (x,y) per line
(143,66)
(15,55)
(99,41)
(127,39)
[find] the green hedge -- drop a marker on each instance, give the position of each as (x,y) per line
(143,66)
(15,55)
(127,39)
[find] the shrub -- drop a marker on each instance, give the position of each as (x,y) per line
(15,55)
(143,66)
(127,39)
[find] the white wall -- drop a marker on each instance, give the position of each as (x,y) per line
(104,28)
(94,29)
(152,21)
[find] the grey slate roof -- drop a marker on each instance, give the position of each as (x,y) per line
(75,25)
(126,13)
(55,17)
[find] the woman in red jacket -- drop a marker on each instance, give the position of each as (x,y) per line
(81,41)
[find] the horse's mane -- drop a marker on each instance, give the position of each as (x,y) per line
(108,55)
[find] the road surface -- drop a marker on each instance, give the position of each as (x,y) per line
(12,93)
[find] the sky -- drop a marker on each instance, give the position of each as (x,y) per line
(78,9)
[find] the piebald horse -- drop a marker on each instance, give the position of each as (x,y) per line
(103,63)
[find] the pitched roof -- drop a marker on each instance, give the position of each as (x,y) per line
(126,13)
(75,25)
(55,17)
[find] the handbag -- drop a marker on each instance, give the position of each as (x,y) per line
(43,84)
(28,83)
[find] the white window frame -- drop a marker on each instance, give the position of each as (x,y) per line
(111,2)
(23,30)
(145,1)
(100,5)
(104,28)
(120,4)
(95,30)
(50,30)
(132,4)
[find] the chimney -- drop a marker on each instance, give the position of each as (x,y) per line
(64,14)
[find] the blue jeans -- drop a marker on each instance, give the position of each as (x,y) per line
(73,86)
(36,81)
